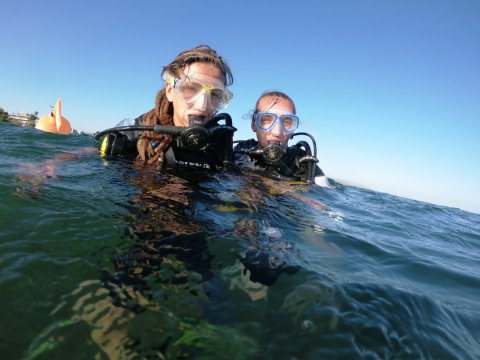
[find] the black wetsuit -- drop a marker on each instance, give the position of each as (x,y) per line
(288,169)
(212,156)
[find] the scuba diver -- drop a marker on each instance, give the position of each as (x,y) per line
(184,128)
(166,263)
(274,121)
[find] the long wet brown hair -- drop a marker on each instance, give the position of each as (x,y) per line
(162,113)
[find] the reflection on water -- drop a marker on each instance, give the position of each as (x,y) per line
(100,259)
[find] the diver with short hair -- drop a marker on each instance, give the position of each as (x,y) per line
(274,121)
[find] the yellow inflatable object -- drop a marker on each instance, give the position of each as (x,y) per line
(54,122)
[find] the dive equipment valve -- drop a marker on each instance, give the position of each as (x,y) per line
(272,153)
(309,160)
(195,136)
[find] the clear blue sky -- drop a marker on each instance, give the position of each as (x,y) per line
(390,89)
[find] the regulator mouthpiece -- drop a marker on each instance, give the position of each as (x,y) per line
(197,120)
(273,152)
(195,136)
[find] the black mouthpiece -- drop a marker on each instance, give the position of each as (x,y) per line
(273,152)
(197,120)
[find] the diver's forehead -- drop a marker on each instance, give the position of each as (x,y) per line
(207,73)
(276,106)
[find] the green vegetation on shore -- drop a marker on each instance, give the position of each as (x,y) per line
(30,122)
(3,115)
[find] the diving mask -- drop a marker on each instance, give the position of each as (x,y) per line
(189,90)
(266,121)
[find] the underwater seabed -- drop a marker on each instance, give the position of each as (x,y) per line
(103,260)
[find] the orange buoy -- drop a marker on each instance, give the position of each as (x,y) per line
(54,122)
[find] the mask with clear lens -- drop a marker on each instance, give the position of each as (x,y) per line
(266,121)
(189,90)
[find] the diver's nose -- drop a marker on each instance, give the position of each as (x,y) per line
(277,129)
(201,103)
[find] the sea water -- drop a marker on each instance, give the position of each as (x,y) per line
(105,259)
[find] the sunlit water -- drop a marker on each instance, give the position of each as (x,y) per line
(100,259)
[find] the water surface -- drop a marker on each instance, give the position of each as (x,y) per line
(102,259)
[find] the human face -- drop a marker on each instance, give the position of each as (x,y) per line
(209,76)
(276,133)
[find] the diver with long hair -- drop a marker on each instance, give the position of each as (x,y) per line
(167,261)
(183,128)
